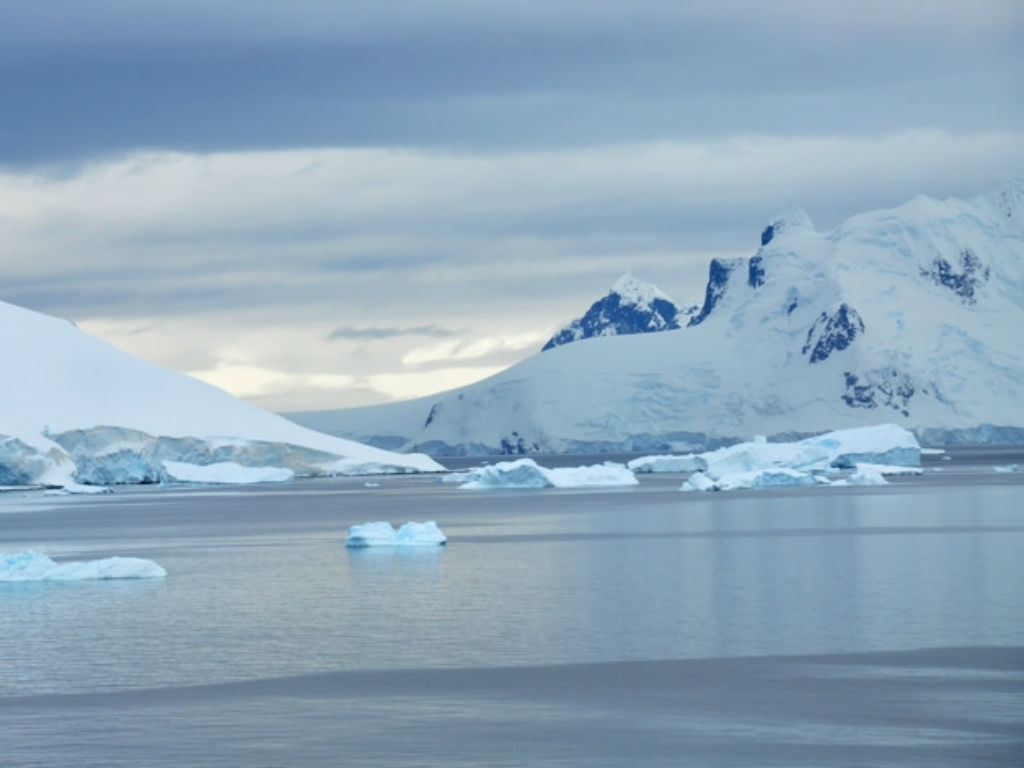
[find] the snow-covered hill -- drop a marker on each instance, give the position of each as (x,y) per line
(632,306)
(74,408)
(909,315)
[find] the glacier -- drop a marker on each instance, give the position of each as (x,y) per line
(78,411)
(902,316)
(382,534)
(30,565)
(526,473)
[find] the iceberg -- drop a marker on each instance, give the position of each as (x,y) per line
(773,477)
(880,444)
(872,452)
(689,463)
(225,472)
(382,534)
(35,566)
(761,455)
(1006,468)
(526,473)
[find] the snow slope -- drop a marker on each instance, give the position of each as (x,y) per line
(907,315)
(75,408)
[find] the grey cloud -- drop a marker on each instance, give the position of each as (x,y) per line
(246,75)
(377,333)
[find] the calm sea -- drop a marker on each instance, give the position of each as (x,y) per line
(632,627)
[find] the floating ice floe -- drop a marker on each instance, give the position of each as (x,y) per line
(1007,468)
(35,566)
(526,473)
(689,463)
(225,472)
(382,534)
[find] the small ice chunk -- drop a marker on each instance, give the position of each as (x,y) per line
(688,463)
(698,481)
(864,474)
(382,534)
(225,472)
(1007,468)
(35,566)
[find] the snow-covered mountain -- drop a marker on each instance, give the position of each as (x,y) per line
(73,408)
(907,315)
(632,306)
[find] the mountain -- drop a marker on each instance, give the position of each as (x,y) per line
(908,315)
(76,409)
(632,306)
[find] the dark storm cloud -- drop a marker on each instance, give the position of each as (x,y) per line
(85,78)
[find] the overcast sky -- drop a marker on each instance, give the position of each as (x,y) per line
(321,204)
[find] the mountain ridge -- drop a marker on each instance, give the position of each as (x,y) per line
(903,315)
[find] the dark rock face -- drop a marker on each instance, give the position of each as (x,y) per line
(883,388)
(755,272)
(514,444)
(718,278)
(435,409)
(614,315)
(963,283)
(767,234)
(832,332)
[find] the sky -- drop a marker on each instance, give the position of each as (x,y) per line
(318,204)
